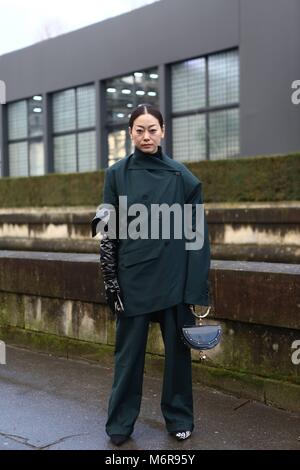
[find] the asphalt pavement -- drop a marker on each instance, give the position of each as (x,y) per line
(56,403)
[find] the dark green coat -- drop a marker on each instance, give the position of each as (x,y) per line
(156,274)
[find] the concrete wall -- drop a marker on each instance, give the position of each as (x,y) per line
(270,62)
(252,231)
(55,302)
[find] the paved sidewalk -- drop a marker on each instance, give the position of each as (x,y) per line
(55,403)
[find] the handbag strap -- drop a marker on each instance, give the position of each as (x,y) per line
(200,316)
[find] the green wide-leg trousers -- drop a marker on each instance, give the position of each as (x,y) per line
(126,395)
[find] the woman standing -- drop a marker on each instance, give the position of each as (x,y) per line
(151,279)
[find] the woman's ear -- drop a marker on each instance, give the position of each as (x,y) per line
(130,133)
(163,131)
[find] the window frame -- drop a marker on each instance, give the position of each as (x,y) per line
(207,110)
(77,130)
(29,138)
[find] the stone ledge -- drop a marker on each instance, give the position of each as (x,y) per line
(221,251)
(236,214)
(63,245)
(252,292)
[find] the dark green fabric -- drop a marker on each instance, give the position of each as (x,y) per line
(157,273)
(126,395)
(157,154)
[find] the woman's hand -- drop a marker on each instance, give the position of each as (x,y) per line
(113,297)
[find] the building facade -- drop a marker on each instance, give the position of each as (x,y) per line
(221,72)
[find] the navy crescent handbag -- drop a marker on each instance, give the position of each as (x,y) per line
(200,336)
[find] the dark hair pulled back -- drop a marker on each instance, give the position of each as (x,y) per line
(144,109)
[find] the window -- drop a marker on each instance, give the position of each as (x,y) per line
(117,145)
(223,133)
(223,73)
(25,137)
(189,136)
(122,95)
(188,84)
(205,107)
(74,135)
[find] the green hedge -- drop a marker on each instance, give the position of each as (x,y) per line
(266,178)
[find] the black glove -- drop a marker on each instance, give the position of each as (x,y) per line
(108,266)
(113,299)
(108,259)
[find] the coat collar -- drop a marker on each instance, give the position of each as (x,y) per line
(140,161)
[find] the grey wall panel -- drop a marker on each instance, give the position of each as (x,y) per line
(270,61)
(163,32)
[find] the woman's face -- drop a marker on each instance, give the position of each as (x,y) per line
(146,133)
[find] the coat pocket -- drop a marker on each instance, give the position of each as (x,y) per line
(140,255)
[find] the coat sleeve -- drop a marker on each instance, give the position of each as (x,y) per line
(109,191)
(196,291)
(110,196)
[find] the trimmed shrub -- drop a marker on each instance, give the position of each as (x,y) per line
(262,178)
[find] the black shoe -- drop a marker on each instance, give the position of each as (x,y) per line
(181,435)
(118,439)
